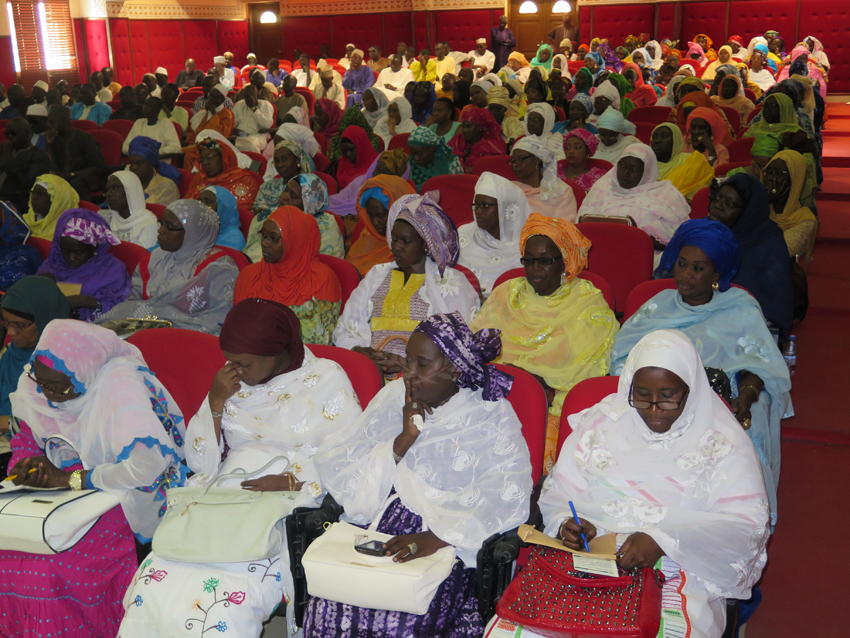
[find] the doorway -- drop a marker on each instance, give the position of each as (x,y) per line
(537,19)
(265,38)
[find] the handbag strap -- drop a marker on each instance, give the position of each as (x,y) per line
(240,473)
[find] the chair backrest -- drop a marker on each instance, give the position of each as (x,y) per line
(122,127)
(700,203)
(456,195)
(650,114)
(583,395)
(599,163)
(178,129)
(85,125)
(110,145)
(733,117)
(560,116)
(131,254)
(322,141)
(90,206)
(753,113)
(399,141)
(321,161)
(185,180)
(185,361)
(308,96)
(470,276)
(239,257)
(529,402)
(41,245)
(497,164)
(623,255)
(724,169)
(258,157)
(114,105)
(346,272)
(366,379)
(741,150)
(246,216)
(597,280)
(644,131)
(156,209)
(750,95)
(329,181)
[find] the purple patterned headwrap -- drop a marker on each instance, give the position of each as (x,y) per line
(469,353)
(434,226)
(89,232)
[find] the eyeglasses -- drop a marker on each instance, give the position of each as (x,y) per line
(44,386)
(543,261)
(483,207)
(664,405)
(516,161)
(16,326)
(162,224)
(772,172)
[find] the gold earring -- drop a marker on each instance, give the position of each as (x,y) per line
(563,278)
(715,286)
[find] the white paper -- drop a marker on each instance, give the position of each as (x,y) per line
(594,565)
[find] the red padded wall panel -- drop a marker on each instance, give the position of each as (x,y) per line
(462,28)
(308,34)
(361,29)
(704,17)
(666,21)
(233,37)
(80,37)
(397,28)
(97,47)
(200,43)
(7,61)
(420,31)
(620,21)
(121,60)
(165,39)
(584,16)
(750,18)
(827,20)
(139,49)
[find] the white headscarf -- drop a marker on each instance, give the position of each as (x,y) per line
(668,98)
(565,71)
(135,201)
(300,134)
(657,60)
(242,160)
(405,125)
(752,46)
(550,185)
(554,141)
(301,116)
(486,256)
(697,489)
(381,111)
(606,89)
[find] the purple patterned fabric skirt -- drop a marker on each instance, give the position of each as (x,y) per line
(453,612)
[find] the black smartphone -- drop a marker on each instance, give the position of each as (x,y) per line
(372,548)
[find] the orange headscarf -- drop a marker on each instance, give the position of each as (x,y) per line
(371,248)
(299,276)
(572,244)
(700,99)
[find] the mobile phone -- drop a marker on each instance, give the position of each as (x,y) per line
(371,548)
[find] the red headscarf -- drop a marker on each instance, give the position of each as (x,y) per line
(334,113)
(641,95)
(299,276)
(491,142)
(718,126)
(366,154)
(702,101)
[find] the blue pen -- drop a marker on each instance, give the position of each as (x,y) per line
(575,518)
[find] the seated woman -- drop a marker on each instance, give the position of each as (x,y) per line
(79,256)
(729,331)
(374,105)
(376,197)
(724,56)
(308,192)
(489,246)
(704,129)
(556,326)
(398,120)
(422,104)
(689,102)
(160,180)
(92,416)
(688,172)
(243,415)
(420,281)
(344,203)
(616,134)
(291,273)
(519,65)
(535,167)
(326,117)
(505,111)
(352,116)
(480,136)
(449,384)
(641,93)
(356,156)
(28,306)
(51,196)
(17,259)
(222,202)
(126,214)
(632,190)
(290,160)
(442,120)
(185,280)
(430,156)
(637,464)
(477,95)
(218,167)
(539,122)
(581,108)
(605,97)
(741,204)
(731,95)
(579,146)
(784,178)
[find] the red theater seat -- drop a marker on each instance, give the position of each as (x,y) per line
(348,275)
(733,117)
(322,142)
(239,257)
(529,402)
(578,191)
(129,253)
(741,150)
(470,277)
(700,203)
(261,159)
(41,245)
(308,96)
(399,141)
(724,169)
(321,161)
(157,209)
(651,114)
(89,206)
(185,180)
(644,131)
(110,145)
(121,127)
(584,394)
(497,164)
(329,181)
(245,219)
(85,125)
(456,195)
(366,379)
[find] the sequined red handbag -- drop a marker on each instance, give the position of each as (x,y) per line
(551,598)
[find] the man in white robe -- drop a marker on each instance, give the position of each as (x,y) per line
(150,125)
(252,117)
(301,71)
(482,60)
(226,76)
(328,85)
(394,78)
(345,61)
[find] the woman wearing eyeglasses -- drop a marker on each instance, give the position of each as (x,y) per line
(93,417)
(186,279)
(728,328)
(535,167)
(663,463)
(554,325)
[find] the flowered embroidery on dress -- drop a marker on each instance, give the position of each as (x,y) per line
(310,380)
(463,241)
(495,258)
(137,601)
(535,340)
(153,574)
(169,421)
(332,408)
(172,477)
(195,297)
(511,211)
(753,347)
(634,512)
(592,451)
(206,624)
(462,460)
(511,492)
(266,567)
(200,445)
(299,427)
(645,312)
(449,284)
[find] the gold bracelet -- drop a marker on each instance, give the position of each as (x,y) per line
(751,387)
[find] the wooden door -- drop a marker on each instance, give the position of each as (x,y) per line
(530,29)
(266,40)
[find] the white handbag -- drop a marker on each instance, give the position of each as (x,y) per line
(336,571)
(210,524)
(49,521)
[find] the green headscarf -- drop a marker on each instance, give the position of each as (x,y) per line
(588,76)
(353,116)
(535,61)
(787,118)
(623,87)
(445,162)
(766,145)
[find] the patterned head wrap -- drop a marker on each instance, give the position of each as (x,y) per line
(298,151)
(572,244)
(590,140)
(714,239)
(499,95)
(585,100)
(314,193)
(434,226)
(469,353)
(89,232)
(550,185)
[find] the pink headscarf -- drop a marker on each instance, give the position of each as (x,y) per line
(590,140)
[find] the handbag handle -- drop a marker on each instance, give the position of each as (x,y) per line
(602,582)
(240,473)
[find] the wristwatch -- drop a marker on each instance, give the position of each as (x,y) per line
(76,480)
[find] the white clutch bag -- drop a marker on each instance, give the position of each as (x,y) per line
(338,572)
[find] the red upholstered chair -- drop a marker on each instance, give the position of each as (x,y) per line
(131,254)
(741,150)
(644,131)
(332,61)
(186,361)
(258,157)
(700,203)
(456,195)
(560,116)
(178,129)
(322,142)
(114,105)
(156,209)
(734,118)
(597,280)
(470,276)
(643,293)
(89,206)
(381,145)
(188,103)
(122,127)
(364,375)
(650,114)
(622,254)
(750,95)
(348,275)
(529,402)
(723,169)
(599,163)
(308,96)
(41,245)
(329,181)
(321,161)
(585,394)
(497,164)
(399,141)
(110,145)
(245,219)
(753,113)
(241,260)
(578,191)
(85,125)
(286,65)
(185,180)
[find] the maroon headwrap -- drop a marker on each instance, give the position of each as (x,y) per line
(262,327)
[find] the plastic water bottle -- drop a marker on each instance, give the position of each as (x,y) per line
(790,353)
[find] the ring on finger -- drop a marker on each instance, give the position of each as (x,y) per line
(413,548)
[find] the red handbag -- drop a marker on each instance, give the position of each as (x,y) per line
(551,598)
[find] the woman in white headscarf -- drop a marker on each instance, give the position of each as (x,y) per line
(669,97)
(301,135)
(127,216)
(657,56)
(608,92)
(300,116)
(489,246)
(752,46)
(242,160)
(681,486)
(378,102)
(615,135)
(631,189)
(539,122)
(399,119)
(537,176)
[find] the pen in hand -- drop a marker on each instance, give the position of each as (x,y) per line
(583,536)
(14,476)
